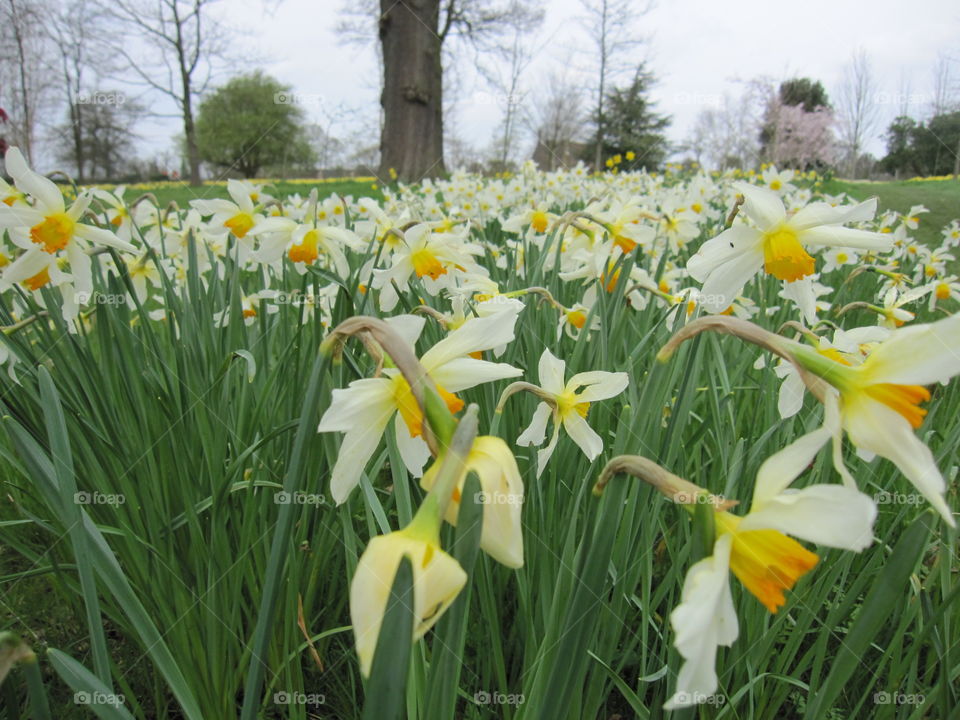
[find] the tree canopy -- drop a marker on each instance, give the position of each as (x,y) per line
(253,122)
(631,124)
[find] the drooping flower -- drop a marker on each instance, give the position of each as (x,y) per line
(363,410)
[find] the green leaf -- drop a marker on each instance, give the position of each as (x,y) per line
(386,688)
(886,593)
(87,688)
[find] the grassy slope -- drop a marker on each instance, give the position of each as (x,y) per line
(941,197)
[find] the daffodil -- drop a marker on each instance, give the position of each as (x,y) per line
(879,401)
(50,233)
(437,580)
(238,216)
(433,257)
(363,410)
(567,403)
(502,496)
(757,549)
(777,243)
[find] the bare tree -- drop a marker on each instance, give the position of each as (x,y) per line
(558,121)
(171,47)
(76,31)
(943,86)
(857,109)
(24,71)
(610,24)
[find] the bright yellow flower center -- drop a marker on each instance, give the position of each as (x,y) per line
(577,318)
(54,232)
(905,399)
(35,282)
(539,221)
(767,562)
(426,263)
(943,291)
(240,224)
(842,257)
(409,408)
(306,251)
(567,402)
(775,185)
(784,256)
(4,260)
(697,208)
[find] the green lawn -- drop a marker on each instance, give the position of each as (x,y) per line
(941,197)
(182,193)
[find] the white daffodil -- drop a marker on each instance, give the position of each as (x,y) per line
(432,256)
(567,404)
(303,243)
(757,549)
(239,216)
(727,262)
(879,400)
(49,233)
(363,410)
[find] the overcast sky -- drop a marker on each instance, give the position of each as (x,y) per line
(699,50)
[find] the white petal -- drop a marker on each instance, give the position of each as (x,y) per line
(918,355)
(875,427)
(46,192)
(463,373)
(413,450)
(831,515)
(355,451)
(790,399)
(551,372)
(821,213)
(536,431)
(475,335)
(727,281)
(582,434)
(782,468)
(102,237)
(762,206)
(408,327)
(724,247)
(599,385)
(704,620)
(352,407)
(837,236)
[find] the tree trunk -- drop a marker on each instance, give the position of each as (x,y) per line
(411,141)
